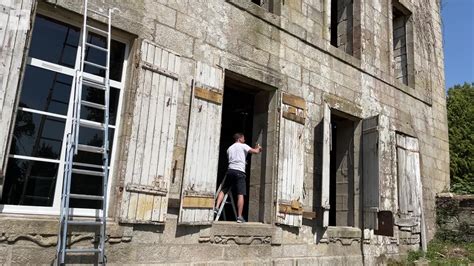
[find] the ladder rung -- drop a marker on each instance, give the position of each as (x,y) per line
(85,222)
(88,165)
(93,105)
(95,65)
(97,30)
(93,84)
(98,12)
(87,172)
(96,47)
(88,148)
(82,250)
(95,125)
(86,197)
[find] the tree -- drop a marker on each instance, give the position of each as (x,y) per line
(460,105)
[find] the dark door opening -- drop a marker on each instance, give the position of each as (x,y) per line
(341,172)
(237,116)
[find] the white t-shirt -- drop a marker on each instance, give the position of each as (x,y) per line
(237,153)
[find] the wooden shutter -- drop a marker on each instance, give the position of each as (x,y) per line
(409,177)
(370,171)
(325,181)
(15,23)
(291,161)
(150,151)
(202,149)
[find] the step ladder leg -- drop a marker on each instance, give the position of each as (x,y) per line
(233,203)
(221,208)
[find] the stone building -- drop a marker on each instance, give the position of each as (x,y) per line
(346,97)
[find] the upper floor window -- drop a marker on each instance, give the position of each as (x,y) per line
(268,5)
(342,24)
(402,44)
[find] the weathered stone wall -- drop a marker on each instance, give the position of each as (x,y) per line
(292,53)
(455,217)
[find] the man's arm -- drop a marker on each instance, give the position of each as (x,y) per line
(257,149)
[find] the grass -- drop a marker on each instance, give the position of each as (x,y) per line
(444,253)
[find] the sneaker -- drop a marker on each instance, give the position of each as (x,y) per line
(240,219)
(216,210)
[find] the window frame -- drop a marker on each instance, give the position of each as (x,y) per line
(75,21)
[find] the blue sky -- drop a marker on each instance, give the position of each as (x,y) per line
(458,31)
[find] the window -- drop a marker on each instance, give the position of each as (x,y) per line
(268,5)
(35,166)
(342,24)
(401,44)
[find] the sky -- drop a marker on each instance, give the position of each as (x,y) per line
(458,31)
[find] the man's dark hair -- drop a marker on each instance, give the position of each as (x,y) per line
(237,136)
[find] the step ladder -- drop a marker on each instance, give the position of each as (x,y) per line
(67,220)
(224,201)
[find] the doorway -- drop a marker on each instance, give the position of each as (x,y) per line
(342,165)
(245,110)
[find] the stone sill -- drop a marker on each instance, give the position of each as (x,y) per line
(249,233)
(324,46)
(36,225)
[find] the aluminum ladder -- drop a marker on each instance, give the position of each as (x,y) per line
(66,220)
(220,209)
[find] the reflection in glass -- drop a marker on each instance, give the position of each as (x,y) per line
(97,96)
(117,56)
(45,90)
(89,185)
(29,183)
(94,137)
(37,135)
(54,41)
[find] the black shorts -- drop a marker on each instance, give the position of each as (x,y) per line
(235,180)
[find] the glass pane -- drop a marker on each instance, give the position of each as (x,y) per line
(54,41)
(117,55)
(37,135)
(97,96)
(94,137)
(45,90)
(89,185)
(89,158)
(29,183)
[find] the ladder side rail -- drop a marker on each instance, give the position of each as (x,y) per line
(106,140)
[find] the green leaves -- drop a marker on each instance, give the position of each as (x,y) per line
(460,105)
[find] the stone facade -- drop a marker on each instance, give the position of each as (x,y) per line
(287,51)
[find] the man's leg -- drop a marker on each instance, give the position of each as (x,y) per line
(220,197)
(240,205)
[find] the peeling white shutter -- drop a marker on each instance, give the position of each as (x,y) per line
(370,171)
(325,181)
(291,161)
(202,150)
(409,177)
(150,150)
(15,24)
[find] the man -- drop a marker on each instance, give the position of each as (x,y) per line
(235,179)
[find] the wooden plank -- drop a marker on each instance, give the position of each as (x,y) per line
(149,163)
(295,101)
(13,36)
(294,117)
(208,95)
(130,199)
(370,172)
(138,172)
(403,185)
(202,144)
(290,171)
(198,202)
(326,164)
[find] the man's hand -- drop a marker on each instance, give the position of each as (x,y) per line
(256,149)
